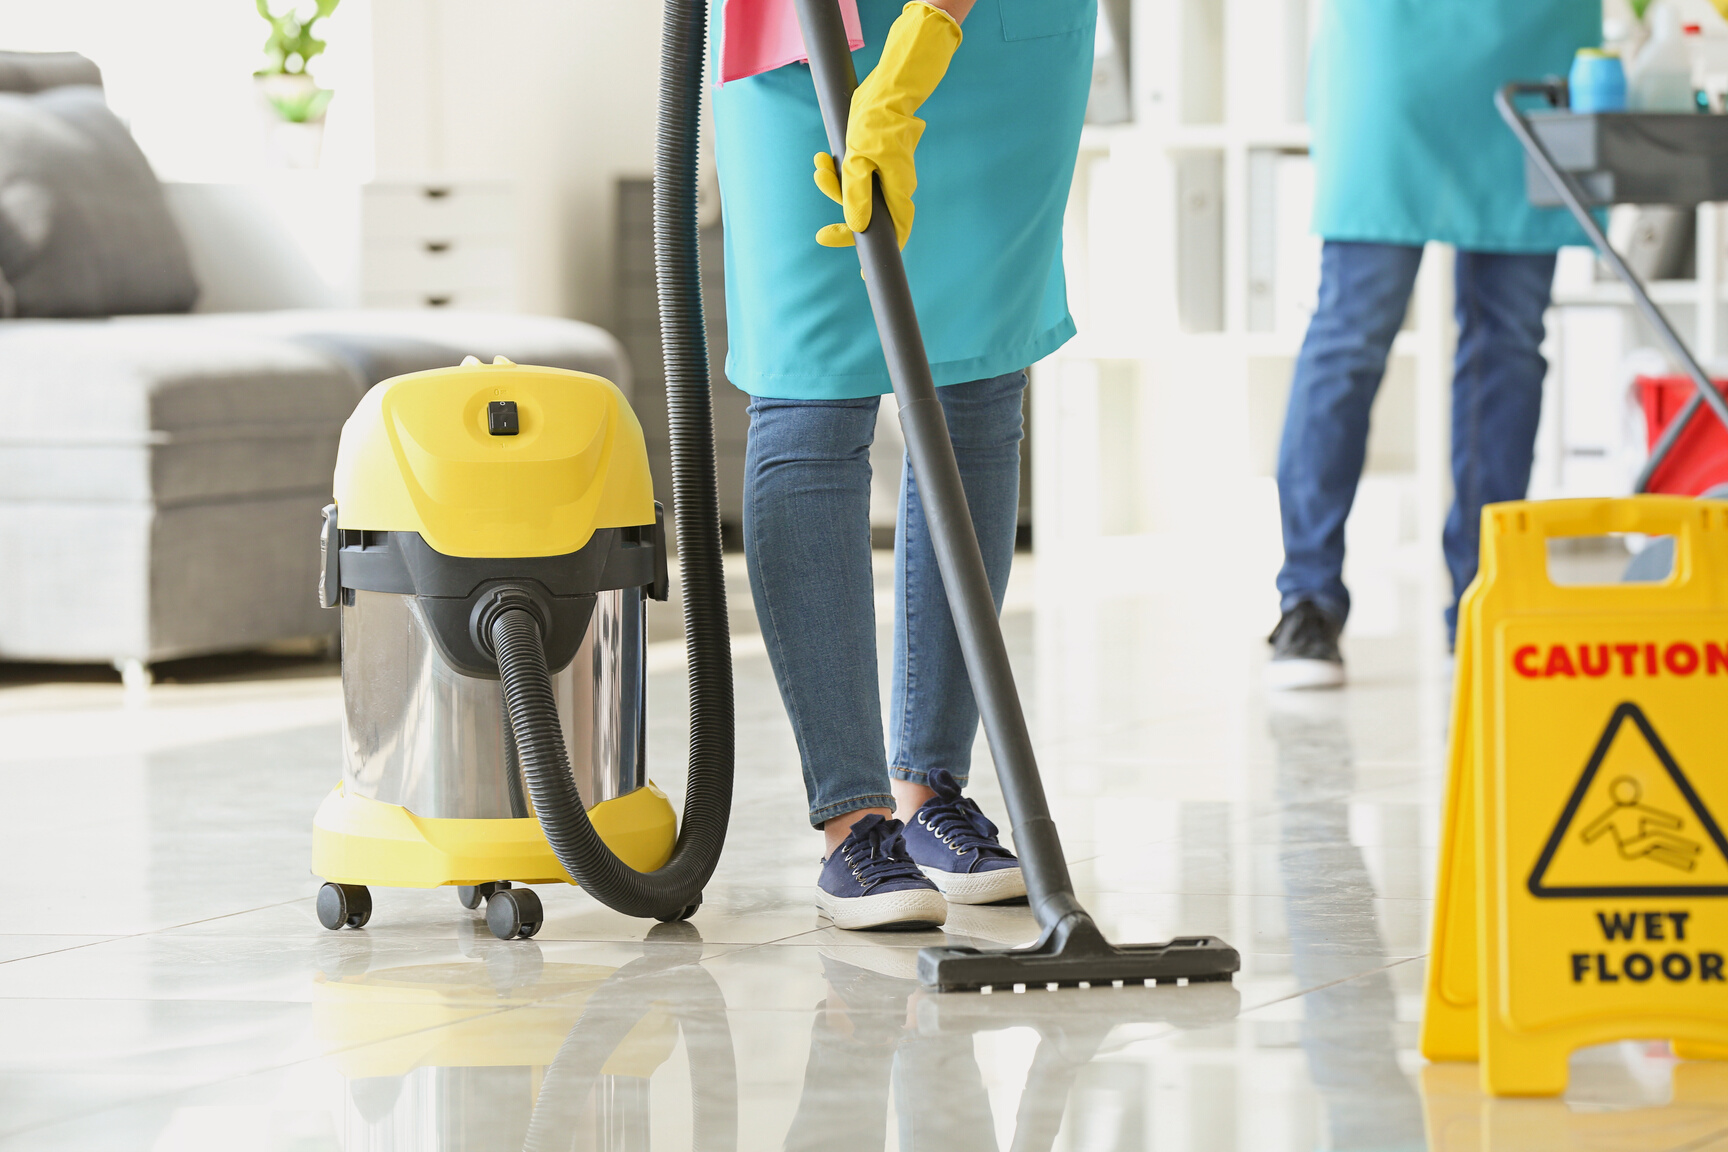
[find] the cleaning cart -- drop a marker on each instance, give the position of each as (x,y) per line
(1589,160)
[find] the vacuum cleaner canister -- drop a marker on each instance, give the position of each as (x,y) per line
(474,505)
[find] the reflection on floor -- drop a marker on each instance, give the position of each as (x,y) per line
(165,985)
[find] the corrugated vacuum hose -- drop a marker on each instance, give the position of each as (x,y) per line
(674,891)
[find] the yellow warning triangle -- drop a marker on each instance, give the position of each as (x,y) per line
(1633,825)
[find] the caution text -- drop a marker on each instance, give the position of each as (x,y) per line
(1594,661)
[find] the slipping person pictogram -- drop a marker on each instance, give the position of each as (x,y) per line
(1633,825)
(1643,832)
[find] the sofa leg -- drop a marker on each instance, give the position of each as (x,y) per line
(134,673)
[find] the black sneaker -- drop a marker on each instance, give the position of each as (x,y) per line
(1305,649)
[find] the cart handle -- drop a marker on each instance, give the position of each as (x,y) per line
(1554,89)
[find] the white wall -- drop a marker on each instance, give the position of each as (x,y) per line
(181,74)
(557,95)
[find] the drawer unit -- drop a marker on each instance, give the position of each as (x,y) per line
(438,244)
(478,300)
(438,265)
(412,211)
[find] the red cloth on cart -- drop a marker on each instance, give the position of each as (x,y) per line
(1699,459)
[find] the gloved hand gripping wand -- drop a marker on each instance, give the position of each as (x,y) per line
(1071,949)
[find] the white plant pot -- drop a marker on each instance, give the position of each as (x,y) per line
(289,144)
(296,145)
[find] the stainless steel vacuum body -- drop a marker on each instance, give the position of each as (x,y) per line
(420,733)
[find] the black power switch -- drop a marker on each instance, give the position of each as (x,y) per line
(501,418)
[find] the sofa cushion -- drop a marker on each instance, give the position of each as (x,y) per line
(84,228)
(166,410)
(102,580)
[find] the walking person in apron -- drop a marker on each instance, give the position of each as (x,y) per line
(999,90)
(1407,149)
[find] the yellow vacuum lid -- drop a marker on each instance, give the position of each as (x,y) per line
(494,460)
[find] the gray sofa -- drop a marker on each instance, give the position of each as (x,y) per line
(161,475)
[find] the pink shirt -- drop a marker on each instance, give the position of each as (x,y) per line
(761,35)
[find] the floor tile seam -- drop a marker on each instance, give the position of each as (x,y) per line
(1245,895)
(527,1002)
(56,951)
(415,946)
(787,940)
(73,948)
(150,1000)
(1136,724)
(261,1070)
(159,931)
(1276,805)
(791,942)
(1328,984)
(1273,807)
(1703,1141)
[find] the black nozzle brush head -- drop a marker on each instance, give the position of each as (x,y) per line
(1074,952)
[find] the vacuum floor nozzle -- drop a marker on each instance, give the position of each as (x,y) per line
(1074,952)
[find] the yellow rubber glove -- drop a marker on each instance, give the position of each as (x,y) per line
(882,132)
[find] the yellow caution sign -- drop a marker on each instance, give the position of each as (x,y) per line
(1583,886)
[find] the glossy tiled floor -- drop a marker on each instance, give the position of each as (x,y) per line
(164,984)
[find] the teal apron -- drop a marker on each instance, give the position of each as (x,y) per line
(985,257)
(1407,145)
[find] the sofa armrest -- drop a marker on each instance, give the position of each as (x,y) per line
(292,242)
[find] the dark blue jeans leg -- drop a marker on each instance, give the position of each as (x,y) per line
(1364,293)
(1496,394)
(807,545)
(933,718)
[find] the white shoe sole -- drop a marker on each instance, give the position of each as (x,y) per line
(978,887)
(1292,675)
(908,908)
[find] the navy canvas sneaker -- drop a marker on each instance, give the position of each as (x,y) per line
(955,845)
(870,882)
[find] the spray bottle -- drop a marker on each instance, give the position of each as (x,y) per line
(1660,79)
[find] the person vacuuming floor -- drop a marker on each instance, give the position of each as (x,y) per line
(1001,109)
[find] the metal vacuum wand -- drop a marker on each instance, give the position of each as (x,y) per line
(1071,949)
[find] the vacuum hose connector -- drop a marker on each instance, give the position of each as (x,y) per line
(531,711)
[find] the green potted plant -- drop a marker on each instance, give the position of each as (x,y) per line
(296,103)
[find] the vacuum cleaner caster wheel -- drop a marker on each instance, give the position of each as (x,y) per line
(474,895)
(514,913)
(688,911)
(344,906)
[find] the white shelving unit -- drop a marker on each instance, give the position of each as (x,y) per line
(1592,436)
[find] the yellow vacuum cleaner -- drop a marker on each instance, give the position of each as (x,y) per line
(492,547)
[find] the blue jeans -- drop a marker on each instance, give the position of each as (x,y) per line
(807,543)
(1496,402)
